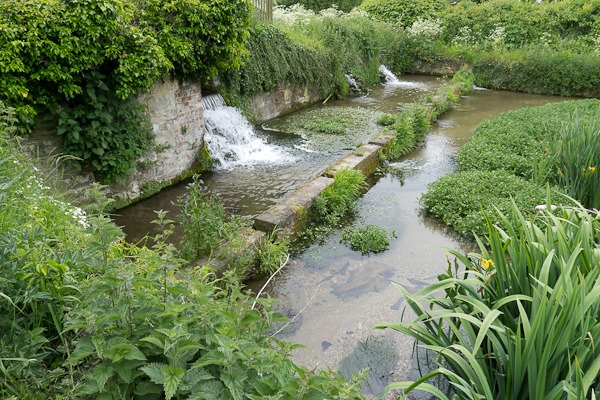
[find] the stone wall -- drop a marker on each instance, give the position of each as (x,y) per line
(175,110)
(282,100)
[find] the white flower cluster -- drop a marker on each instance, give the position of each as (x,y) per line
(597,43)
(546,39)
(294,15)
(425,28)
(78,215)
(498,35)
(464,36)
(35,190)
(298,15)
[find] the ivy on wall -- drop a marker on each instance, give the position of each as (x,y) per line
(84,59)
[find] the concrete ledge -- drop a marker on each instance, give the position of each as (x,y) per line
(364,159)
(384,141)
(291,214)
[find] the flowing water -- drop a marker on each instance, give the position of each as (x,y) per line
(336,296)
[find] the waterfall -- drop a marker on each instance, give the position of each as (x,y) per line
(392,80)
(231,140)
(213,101)
(354,85)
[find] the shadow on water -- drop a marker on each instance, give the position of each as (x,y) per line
(334,295)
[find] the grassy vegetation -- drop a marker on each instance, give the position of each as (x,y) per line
(339,198)
(413,123)
(83,314)
(519,319)
(367,239)
(516,155)
(548,47)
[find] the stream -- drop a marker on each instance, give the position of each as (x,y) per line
(334,295)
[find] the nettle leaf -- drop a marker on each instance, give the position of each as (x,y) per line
(145,388)
(172,377)
(211,390)
(118,349)
(234,380)
(127,370)
(154,372)
(84,348)
(193,378)
(102,374)
(155,341)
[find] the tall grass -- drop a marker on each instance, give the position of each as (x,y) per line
(574,160)
(339,198)
(519,320)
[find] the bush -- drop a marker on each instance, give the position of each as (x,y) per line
(518,319)
(564,73)
(318,5)
(404,12)
(273,58)
(367,239)
(86,315)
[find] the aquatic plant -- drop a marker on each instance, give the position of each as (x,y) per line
(335,201)
(460,199)
(520,319)
(367,239)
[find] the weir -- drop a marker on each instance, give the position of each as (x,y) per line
(231,139)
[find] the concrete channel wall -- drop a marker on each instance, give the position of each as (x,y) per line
(291,215)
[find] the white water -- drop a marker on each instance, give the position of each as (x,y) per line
(392,80)
(231,140)
(353,83)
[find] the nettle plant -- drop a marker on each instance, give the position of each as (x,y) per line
(148,328)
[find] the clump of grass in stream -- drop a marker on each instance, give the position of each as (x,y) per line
(333,125)
(413,123)
(329,129)
(367,239)
(339,198)
(387,119)
(519,320)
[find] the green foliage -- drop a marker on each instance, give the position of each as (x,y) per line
(274,58)
(573,158)
(332,125)
(271,254)
(203,221)
(517,154)
(562,72)
(460,199)
(518,320)
(318,5)
(85,60)
(48,48)
(335,201)
(404,12)
(387,119)
(521,22)
(83,314)
(201,38)
(367,239)
(106,135)
(516,141)
(414,121)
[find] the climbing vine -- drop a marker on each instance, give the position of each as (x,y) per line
(83,60)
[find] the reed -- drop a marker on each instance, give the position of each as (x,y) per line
(520,319)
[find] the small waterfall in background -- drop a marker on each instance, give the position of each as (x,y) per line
(354,85)
(231,140)
(390,79)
